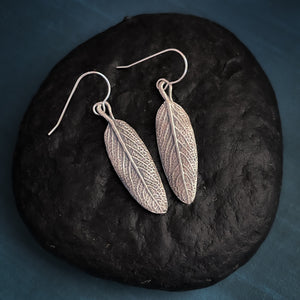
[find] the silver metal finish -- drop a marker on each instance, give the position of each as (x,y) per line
(133,163)
(175,138)
(73,91)
(158,53)
(177,147)
(128,155)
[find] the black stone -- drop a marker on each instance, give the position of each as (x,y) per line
(74,203)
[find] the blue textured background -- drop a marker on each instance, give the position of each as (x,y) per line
(35,35)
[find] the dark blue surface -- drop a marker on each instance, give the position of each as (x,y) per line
(35,35)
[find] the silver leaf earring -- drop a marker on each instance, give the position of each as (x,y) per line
(175,138)
(128,155)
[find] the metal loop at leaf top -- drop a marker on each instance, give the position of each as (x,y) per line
(132,162)
(99,109)
(177,147)
(175,137)
(128,155)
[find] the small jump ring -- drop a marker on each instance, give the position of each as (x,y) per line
(101,105)
(165,83)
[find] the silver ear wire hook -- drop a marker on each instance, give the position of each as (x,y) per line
(167,83)
(102,103)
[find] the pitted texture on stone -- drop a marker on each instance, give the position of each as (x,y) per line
(69,195)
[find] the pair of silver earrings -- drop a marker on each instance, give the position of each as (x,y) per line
(130,156)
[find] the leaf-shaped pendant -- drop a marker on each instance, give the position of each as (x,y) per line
(134,164)
(177,147)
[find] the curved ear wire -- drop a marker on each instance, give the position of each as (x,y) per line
(73,91)
(180,160)
(158,53)
(129,156)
